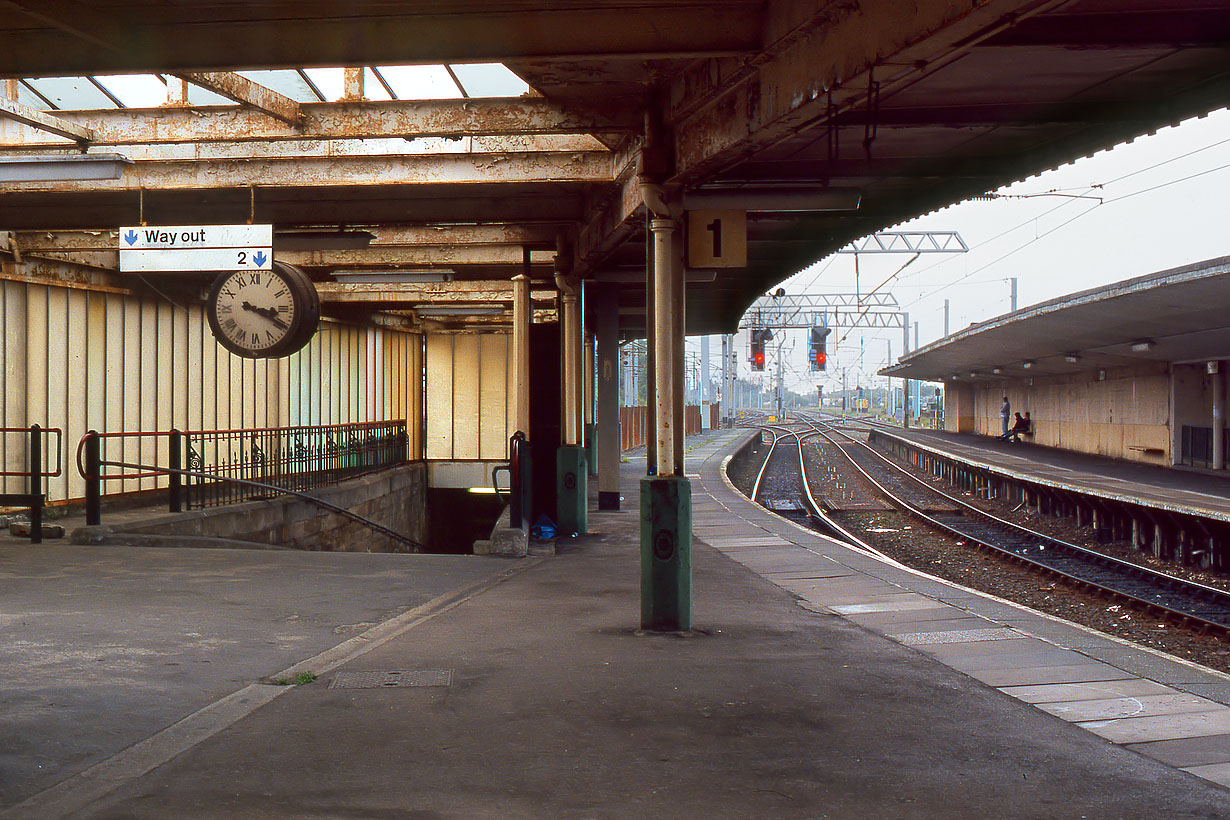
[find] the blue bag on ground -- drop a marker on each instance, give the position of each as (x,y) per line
(544,528)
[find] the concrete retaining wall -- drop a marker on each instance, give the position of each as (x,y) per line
(395,498)
(1124,415)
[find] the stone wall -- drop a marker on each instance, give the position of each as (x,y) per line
(395,498)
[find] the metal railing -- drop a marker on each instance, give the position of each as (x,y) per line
(518,479)
(289,458)
(207,468)
(34,473)
(297,458)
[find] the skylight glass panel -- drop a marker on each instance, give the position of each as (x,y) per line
(420,82)
(490,80)
(330,81)
(27,98)
(72,93)
(202,96)
(286,82)
(135,90)
(373,89)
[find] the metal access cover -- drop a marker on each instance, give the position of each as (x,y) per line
(958,636)
(395,678)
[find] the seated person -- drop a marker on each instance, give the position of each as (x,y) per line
(1012,430)
(1022,425)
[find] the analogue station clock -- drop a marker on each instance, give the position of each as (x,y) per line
(263,314)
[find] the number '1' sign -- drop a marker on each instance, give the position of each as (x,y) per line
(717,239)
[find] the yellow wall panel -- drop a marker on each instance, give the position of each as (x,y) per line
(493,398)
(80,360)
(467,375)
(439,397)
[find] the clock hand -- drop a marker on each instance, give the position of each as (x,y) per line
(269,313)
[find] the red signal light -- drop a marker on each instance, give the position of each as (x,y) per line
(821,358)
(758,358)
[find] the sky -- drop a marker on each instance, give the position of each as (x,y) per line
(1157,202)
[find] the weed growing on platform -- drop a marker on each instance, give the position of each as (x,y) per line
(297,680)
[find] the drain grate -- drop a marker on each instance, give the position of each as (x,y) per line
(394,678)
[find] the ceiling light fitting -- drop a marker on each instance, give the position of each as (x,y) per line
(62,167)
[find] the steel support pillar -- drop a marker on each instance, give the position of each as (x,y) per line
(905,349)
(606,327)
(522,318)
(666,497)
(651,368)
(705,401)
(590,435)
(571,470)
(1219,417)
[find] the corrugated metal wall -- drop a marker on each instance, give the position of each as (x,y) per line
(87,357)
(468,384)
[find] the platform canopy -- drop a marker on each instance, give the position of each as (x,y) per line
(825,121)
(1175,316)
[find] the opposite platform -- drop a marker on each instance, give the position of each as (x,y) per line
(1185,491)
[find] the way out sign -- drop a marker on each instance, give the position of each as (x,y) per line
(195,248)
(717,239)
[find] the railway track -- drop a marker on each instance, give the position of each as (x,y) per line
(1205,607)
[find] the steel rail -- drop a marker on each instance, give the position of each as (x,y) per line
(817,511)
(769,455)
(1162,582)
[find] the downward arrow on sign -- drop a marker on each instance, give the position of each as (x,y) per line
(131,237)
(259,258)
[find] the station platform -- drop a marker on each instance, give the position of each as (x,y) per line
(818,682)
(1180,490)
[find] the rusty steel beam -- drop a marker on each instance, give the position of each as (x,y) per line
(334,121)
(435,293)
(13,110)
(611,224)
(242,90)
(332,172)
(387,236)
(387,256)
(381,34)
(303,149)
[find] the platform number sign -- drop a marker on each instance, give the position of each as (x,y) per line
(717,239)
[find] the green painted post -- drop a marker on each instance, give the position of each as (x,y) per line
(666,554)
(572,490)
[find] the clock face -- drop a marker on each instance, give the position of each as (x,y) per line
(263,314)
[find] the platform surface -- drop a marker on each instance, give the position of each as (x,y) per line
(819,683)
(1182,490)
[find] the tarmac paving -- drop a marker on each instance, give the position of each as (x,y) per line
(527,692)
